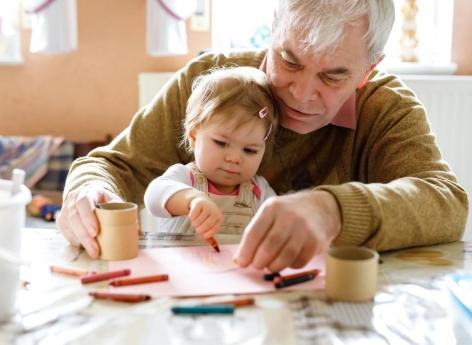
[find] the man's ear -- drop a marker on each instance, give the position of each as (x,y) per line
(369,70)
(192,137)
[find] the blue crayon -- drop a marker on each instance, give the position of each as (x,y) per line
(204,309)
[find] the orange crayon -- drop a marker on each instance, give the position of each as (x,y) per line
(140,280)
(212,242)
(92,278)
(120,297)
(69,271)
(240,302)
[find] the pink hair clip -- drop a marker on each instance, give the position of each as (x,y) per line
(268,133)
(263,112)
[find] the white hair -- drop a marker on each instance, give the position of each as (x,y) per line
(321,24)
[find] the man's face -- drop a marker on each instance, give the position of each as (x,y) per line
(310,90)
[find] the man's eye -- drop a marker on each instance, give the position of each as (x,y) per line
(250,151)
(219,142)
(289,64)
(332,81)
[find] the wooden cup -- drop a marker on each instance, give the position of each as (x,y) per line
(351,274)
(119,230)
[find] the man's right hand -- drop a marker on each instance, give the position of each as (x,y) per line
(77,219)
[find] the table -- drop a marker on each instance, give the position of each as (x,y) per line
(411,307)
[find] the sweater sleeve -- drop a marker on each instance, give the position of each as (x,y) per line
(174,179)
(266,190)
(142,151)
(405,194)
(147,147)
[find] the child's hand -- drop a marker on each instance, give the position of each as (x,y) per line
(205,216)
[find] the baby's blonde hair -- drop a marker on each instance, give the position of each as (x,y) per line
(224,88)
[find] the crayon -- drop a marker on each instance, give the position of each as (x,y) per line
(279,278)
(270,276)
(297,280)
(97,277)
(212,242)
(120,297)
(69,271)
(140,280)
(240,302)
(204,309)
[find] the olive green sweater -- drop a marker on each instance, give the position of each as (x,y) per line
(392,186)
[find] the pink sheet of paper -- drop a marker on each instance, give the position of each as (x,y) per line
(200,271)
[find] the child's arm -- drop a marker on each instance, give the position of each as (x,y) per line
(172,195)
(205,216)
(179,203)
(174,179)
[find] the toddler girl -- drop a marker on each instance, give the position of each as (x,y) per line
(230,119)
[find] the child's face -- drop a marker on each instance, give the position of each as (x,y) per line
(227,154)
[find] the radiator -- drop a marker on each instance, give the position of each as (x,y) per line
(448,101)
(149,84)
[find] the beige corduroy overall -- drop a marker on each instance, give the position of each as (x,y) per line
(237,209)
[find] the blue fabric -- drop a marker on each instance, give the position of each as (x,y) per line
(58,168)
(30,154)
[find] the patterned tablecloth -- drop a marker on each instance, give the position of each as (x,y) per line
(412,306)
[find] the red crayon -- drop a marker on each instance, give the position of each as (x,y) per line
(92,278)
(140,280)
(212,242)
(120,297)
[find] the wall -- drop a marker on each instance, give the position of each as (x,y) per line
(89,93)
(93,91)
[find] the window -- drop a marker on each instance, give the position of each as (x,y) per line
(10,34)
(241,24)
(433,30)
(433,19)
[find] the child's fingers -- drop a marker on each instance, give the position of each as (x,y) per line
(200,219)
(207,225)
(204,226)
(195,212)
(195,209)
(212,230)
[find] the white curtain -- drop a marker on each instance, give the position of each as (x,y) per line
(54,25)
(166,31)
(10,36)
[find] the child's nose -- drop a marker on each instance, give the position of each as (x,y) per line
(233,156)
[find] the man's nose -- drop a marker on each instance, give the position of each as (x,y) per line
(305,89)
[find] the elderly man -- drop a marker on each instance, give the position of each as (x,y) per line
(354,161)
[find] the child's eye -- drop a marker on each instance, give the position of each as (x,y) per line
(250,151)
(219,142)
